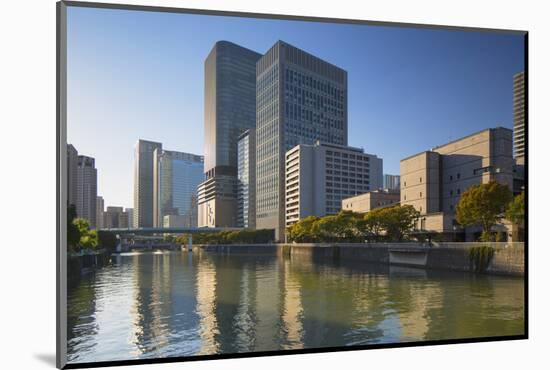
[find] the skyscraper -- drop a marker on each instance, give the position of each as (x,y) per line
(229,109)
(246,207)
(176,177)
(86,189)
(115,217)
(391,182)
(72,164)
(100,209)
(143,182)
(519,117)
(300,99)
(130,212)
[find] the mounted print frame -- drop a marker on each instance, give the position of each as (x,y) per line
(238,184)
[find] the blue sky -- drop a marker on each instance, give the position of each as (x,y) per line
(134,74)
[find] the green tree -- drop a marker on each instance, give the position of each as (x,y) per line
(399,221)
(373,224)
(349,226)
(516,209)
(88,238)
(328,228)
(483,205)
(301,231)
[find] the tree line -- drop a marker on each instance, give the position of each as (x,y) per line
(245,236)
(483,205)
(394,223)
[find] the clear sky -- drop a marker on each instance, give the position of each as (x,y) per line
(134,74)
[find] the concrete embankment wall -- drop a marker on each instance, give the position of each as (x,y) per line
(508,258)
(239,249)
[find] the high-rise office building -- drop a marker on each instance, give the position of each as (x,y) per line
(391,182)
(86,189)
(229,109)
(300,99)
(176,177)
(519,118)
(246,207)
(72,164)
(319,176)
(130,212)
(115,217)
(143,182)
(100,209)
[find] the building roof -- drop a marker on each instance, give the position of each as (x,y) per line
(456,140)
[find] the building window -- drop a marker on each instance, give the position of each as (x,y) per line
(451,178)
(421,179)
(405,197)
(420,194)
(458,191)
(451,207)
(451,193)
(458,175)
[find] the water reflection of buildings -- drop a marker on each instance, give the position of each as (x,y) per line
(244,321)
(419,296)
(291,316)
(81,323)
(179,304)
(206,305)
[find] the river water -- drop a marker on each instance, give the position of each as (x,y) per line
(163,304)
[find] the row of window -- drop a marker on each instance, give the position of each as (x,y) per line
(345,179)
(348,174)
(308,81)
(345,161)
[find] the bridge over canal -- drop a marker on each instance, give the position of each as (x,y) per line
(152,237)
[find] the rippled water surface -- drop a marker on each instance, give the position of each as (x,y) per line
(179,304)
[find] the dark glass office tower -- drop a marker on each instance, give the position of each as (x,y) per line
(300,99)
(229,110)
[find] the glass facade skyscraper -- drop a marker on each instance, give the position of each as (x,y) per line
(246,205)
(300,99)
(177,176)
(143,182)
(391,182)
(229,110)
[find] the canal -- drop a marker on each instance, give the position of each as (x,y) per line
(162,304)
